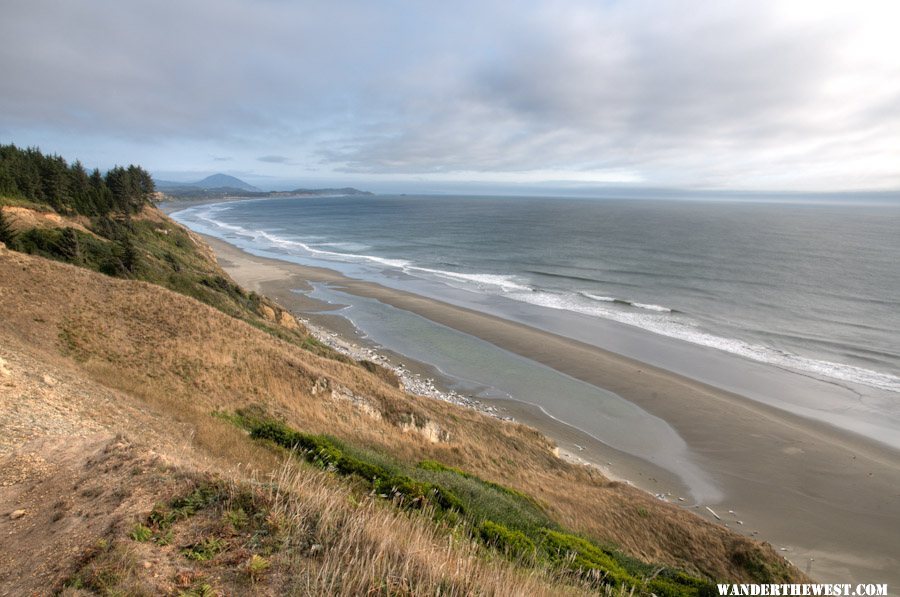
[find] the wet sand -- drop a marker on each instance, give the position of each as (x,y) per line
(829,499)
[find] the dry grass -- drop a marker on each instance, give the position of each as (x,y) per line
(181,360)
(298,533)
(364,548)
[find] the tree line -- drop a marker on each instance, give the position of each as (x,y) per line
(48,179)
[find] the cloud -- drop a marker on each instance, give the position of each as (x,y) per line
(222,158)
(275,159)
(787,94)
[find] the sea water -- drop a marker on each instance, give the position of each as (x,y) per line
(811,288)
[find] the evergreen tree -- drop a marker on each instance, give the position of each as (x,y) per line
(29,174)
(68,246)
(129,255)
(7,234)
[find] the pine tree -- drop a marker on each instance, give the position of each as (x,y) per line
(130,259)
(7,234)
(68,246)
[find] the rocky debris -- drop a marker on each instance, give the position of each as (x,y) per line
(430,430)
(22,467)
(361,403)
(267,312)
(319,386)
(287,320)
(278,315)
(414,383)
(16,514)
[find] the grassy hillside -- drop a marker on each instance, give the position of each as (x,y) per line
(266,461)
(188,364)
(144,245)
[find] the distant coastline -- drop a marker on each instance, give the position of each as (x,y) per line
(224,187)
(230,194)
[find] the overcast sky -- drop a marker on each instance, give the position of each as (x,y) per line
(754,94)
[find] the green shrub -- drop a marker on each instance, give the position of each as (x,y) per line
(76,247)
(506,519)
(207,495)
(484,500)
(140,533)
(257,566)
(581,555)
(681,587)
(7,234)
(512,543)
(205,550)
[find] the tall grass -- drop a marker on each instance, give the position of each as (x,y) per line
(505,519)
(364,548)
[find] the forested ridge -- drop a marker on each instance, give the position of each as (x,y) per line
(69,188)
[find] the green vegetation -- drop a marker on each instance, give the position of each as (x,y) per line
(69,189)
(205,496)
(7,234)
(200,523)
(201,590)
(502,518)
(512,543)
(140,533)
(110,229)
(205,550)
(117,238)
(257,566)
(79,248)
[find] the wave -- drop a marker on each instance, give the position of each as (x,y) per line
(503,282)
(674,326)
(654,318)
(288,244)
(506,283)
(563,276)
(580,278)
(618,301)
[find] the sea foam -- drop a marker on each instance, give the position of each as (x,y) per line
(651,317)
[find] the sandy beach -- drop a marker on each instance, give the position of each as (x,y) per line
(828,499)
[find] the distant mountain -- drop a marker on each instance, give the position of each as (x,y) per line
(223,181)
(222,185)
(215,183)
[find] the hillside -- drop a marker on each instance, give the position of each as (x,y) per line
(213,443)
(216,183)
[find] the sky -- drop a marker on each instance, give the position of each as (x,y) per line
(756,95)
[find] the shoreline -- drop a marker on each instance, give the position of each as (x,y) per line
(826,498)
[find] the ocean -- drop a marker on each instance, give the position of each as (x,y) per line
(812,288)
(795,305)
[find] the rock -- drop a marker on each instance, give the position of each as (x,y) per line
(148,565)
(17,514)
(320,385)
(267,312)
(49,380)
(287,320)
